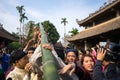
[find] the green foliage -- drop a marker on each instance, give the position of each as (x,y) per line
(50,29)
(20,9)
(22,17)
(37,25)
(14,46)
(21,13)
(64,21)
(15,34)
(74,31)
(30,25)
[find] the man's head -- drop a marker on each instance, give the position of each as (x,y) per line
(112,53)
(71,55)
(4,50)
(19,58)
(30,51)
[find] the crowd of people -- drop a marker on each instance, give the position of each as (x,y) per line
(4,62)
(98,63)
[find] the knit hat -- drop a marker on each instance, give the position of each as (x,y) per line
(72,50)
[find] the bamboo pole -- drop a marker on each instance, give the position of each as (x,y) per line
(49,67)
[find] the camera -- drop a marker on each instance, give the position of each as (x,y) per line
(112,52)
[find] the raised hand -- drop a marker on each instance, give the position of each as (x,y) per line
(101,54)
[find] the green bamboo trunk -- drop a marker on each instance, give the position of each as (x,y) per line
(49,67)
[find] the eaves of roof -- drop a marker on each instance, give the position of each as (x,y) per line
(98,29)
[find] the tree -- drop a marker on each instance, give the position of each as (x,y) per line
(30,25)
(51,31)
(74,31)
(15,34)
(22,18)
(14,46)
(64,21)
(21,13)
(20,9)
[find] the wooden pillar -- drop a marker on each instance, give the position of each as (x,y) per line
(85,47)
(117,13)
(119,42)
(93,23)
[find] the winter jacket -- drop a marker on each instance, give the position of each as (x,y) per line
(110,72)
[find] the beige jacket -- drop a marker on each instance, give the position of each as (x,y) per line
(20,74)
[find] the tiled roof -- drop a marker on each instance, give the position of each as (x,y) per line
(98,29)
(100,11)
(6,34)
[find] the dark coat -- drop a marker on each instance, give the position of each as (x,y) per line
(110,72)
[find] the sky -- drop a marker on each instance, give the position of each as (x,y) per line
(52,10)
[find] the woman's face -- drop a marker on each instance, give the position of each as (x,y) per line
(71,57)
(87,52)
(88,63)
